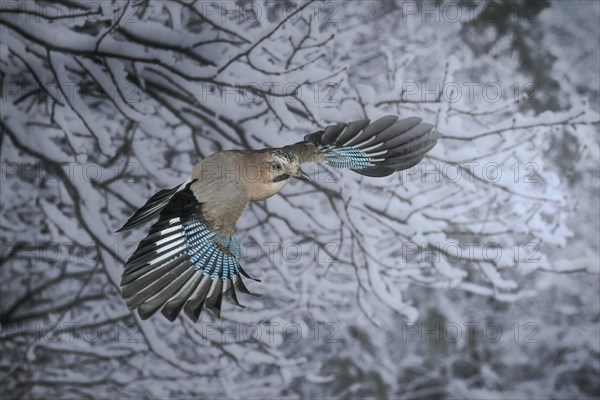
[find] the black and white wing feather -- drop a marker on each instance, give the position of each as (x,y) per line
(182,264)
(378,148)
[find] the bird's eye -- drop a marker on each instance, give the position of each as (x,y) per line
(277,166)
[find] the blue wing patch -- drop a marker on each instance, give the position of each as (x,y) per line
(377,148)
(348,157)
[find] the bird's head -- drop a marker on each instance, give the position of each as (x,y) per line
(284,167)
(276,169)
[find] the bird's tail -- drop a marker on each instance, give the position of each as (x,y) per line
(376,149)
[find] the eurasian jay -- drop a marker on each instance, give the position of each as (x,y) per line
(189,260)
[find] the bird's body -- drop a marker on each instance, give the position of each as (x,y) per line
(189,260)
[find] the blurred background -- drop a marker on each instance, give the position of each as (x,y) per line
(472,275)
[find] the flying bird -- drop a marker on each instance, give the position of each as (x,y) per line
(190,258)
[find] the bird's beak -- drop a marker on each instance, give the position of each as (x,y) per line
(302,175)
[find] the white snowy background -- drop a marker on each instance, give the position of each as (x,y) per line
(473,275)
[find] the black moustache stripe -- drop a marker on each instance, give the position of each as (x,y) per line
(281,178)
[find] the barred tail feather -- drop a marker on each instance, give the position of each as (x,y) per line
(378,148)
(182,265)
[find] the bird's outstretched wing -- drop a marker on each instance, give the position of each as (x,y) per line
(375,149)
(184,263)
